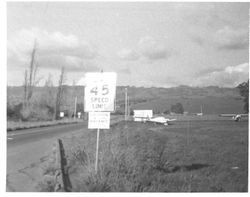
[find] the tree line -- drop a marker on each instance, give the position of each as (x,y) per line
(48,106)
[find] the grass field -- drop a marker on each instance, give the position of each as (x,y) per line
(188,156)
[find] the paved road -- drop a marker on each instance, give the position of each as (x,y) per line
(28,149)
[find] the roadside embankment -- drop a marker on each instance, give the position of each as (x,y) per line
(15,125)
(12,125)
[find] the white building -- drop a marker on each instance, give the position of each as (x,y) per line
(142,115)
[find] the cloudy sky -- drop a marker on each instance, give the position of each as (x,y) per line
(148,44)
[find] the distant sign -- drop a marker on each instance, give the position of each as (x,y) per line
(100,91)
(61,114)
(99,120)
(143,113)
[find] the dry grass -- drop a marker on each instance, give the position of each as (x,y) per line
(122,160)
(189,156)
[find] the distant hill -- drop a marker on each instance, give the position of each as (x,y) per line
(214,100)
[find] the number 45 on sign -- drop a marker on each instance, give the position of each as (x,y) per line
(100,91)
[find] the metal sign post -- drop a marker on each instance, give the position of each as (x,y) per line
(98,120)
(97,150)
(99,101)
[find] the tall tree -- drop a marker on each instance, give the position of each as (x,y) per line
(177,108)
(48,95)
(59,93)
(25,85)
(32,72)
(30,80)
(244,92)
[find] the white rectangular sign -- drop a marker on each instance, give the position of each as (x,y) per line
(99,120)
(143,113)
(100,91)
(61,114)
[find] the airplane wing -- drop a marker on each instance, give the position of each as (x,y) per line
(169,120)
(244,115)
(157,120)
(228,115)
(233,115)
(161,120)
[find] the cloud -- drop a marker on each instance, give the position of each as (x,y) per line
(151,49)
(126,71)
(50,47)
(70,63)
(128,54)
(231,76)
(207,70)
(231,39)
(198,14)
(81,82)
(197,39)
(146,47)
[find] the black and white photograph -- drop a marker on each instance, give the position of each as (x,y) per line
(127,97)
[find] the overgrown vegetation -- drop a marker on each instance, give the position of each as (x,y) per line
(137,157)
(126,163)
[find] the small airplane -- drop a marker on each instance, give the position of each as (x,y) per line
(201,113)
(160,120)
(235,117)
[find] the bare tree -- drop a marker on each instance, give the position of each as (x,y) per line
(49,82)
(30,80)
(75,98)
(48,93)
(25,85)
(59,93)
(47,98)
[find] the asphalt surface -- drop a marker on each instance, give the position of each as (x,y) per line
(20,137)
(28,149)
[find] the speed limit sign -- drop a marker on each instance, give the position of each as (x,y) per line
(100,92)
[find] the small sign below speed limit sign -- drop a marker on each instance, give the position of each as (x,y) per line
(100,92)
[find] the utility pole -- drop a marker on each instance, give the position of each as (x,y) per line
(128,109)
(125,111)
(75,107)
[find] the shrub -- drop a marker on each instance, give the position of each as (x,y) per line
(35,113)
(244,92)
(14,112)
(128,161)
(177,108)
(166,112)
(118,112)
